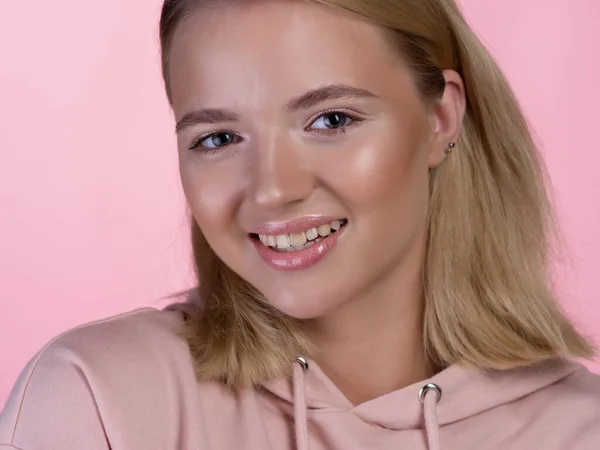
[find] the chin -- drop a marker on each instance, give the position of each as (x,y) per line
(304,306)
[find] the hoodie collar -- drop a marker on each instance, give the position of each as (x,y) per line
(466,391)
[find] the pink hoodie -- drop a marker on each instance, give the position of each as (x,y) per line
(127,383)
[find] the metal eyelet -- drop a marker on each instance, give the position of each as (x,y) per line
(303,362)
(430,387)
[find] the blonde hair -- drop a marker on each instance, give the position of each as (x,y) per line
(489,300)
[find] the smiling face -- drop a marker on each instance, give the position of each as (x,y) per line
(300,128)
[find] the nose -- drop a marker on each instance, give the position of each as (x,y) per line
(281,174)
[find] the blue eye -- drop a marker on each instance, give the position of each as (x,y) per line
(334,120)
(214,141)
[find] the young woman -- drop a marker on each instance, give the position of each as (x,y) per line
(371,236)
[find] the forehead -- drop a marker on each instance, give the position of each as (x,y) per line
(274,50)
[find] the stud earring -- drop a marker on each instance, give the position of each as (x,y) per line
(450,148)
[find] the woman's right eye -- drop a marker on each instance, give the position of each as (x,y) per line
(214,141)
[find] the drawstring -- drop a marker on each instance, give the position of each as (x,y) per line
(300,404)
(426,397)
(429,403)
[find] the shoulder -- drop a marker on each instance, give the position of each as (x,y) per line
(119,347)
(570,409)
(106,377)
(580,389)
(122,337)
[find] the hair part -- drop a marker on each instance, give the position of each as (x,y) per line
(489,299)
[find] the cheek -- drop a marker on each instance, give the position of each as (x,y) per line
(211,194)
(387,172)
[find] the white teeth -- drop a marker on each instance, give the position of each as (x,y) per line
(295,241)
(324,230)
(311,234)
(298,239)
(283,241)
(311,243)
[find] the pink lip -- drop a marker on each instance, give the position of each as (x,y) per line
(295,226)
(301,259)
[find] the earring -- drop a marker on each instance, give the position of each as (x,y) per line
(450,147)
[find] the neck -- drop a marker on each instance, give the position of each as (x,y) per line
(374,345)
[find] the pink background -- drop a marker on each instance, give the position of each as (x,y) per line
(93,219)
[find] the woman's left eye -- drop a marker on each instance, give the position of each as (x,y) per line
(331,121)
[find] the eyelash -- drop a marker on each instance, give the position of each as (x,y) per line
(194,146)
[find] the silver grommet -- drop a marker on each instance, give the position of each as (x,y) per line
(430,387)
(303,362)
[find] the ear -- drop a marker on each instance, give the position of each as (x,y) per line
(447,117)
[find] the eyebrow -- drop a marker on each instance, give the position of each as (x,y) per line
(206,116)
(304,101)
(331,92)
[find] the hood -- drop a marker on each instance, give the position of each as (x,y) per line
(465,392)
(450,396)
(454,394)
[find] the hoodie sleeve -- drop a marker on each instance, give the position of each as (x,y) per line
(52,406)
